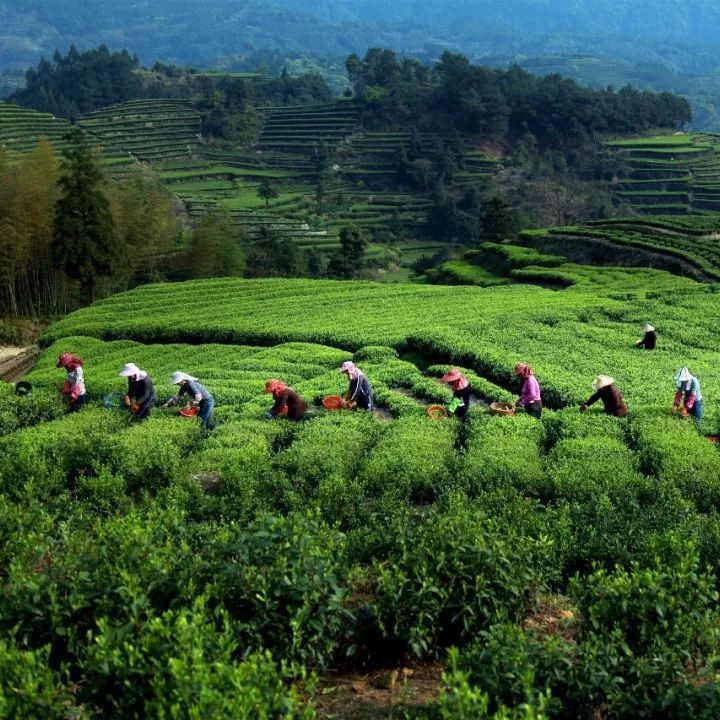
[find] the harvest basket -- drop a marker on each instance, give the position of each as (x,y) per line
(436,412)
(113,401)
(502,409)
(23,388)
(189,411)
(332,402)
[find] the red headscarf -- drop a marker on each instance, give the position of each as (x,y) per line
(523,371)
(275,387)
(69,361)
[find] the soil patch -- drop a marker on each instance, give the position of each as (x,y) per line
(376,695)
(16,362)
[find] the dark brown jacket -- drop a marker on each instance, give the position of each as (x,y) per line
(295,405)
(612,401)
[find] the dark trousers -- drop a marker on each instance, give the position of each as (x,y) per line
(144,411)
(77,404)
(464,395)
(534,408)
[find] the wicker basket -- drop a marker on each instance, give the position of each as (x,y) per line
(436,412)
(502,408)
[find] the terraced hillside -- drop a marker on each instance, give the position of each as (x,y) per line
(686,245)
(20,129)
(300,129)
(670,174)
(150,130)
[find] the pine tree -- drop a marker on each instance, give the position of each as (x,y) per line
(85,243)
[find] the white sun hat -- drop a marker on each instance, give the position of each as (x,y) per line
(129,370)
(347,366)
(647,327)
(683,375)
(602,381)
(178,377)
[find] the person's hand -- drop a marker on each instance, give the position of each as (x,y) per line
(583,407)
(134,408)
(127,401)
(674,409)
(684,412)
(164,406)
(269,416)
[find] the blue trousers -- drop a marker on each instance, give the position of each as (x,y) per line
(697,412)
(206,408)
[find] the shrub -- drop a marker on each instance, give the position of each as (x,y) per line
(182,664)
(30,688)
(282,581)
(455,574)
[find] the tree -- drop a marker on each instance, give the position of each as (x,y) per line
(267,191)
(215,247)
(349,260)
(498,222)
(85,244)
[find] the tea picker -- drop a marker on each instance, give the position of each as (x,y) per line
(287,401)
(460,386)
(359,391)
(140,398)
(198,395)
(612,400)
(687,393)
(530,392)
(650,339)
(74,387)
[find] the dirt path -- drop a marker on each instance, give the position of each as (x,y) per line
(378,695)
(16,362)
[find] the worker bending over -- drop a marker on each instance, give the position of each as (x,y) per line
(648,342)
(74,387)
(687,389)
(530,392)
(284,396)
(606,391)
(460,386)
(198,395)
(359,391)
(140,396)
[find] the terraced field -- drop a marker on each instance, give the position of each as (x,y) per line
(670,174)
(686,246)
(150,130)
(20,129)
(300,129)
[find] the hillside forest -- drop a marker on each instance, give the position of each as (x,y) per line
(443,111)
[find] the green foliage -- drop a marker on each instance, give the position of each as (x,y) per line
(454,575)
(80,82)
(29,687)
(85,243)
(214,249)
(281,580)
(183,664)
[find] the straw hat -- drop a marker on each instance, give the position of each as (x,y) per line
(452,375)
(178,377)
(130,370)
(602,381)
(647,327)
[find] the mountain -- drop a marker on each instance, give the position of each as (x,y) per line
(675,37)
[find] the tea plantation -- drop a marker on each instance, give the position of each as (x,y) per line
(560,568)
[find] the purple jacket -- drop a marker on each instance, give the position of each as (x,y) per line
(530,391)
